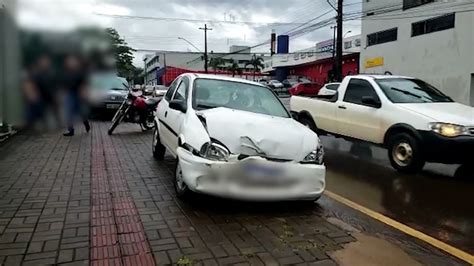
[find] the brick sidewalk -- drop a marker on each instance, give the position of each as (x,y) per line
(95,198)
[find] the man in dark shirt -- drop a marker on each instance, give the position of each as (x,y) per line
(75,85)
(45,80)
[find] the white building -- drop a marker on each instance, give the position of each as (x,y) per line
(178,62)
(429,39)
(321,50)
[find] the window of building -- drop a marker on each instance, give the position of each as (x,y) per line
(382,37)
(348,45)
(433,25)
(357,42)
(357,89)
(414,3)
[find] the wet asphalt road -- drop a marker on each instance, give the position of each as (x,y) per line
(437,201)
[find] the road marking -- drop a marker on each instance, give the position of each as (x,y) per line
(405,229)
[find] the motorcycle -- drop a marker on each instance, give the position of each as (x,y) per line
(136,108)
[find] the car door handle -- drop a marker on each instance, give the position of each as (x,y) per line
(166,113)
(342,107)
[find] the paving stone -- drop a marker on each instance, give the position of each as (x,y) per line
(65,255)
(55,199)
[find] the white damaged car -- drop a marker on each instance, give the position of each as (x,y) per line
(234,138)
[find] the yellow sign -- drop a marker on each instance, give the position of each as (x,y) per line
(374,62)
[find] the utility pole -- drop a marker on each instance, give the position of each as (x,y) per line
(339,41)
(205,29)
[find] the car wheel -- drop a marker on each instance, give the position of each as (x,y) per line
(180,186)
(309,123)
(157,148)
(405,153)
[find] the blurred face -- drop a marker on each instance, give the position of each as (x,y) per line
(44,62)
(72,63)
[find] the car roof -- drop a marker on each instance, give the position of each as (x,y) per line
(225,78)
(378,76)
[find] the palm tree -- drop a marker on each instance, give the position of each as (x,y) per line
(256,63)
(216,63)
(234,68)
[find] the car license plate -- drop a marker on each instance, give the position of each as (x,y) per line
(262,170)
(112,106)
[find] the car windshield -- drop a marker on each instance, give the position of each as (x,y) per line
(403,90)
(211,93)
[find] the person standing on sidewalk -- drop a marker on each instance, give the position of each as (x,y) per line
(75,84)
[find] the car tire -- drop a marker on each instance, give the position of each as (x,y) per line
(405,153)
(180,187)
(309,123)
(157,148)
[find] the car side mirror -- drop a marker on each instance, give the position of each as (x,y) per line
(178,105)
(371,101)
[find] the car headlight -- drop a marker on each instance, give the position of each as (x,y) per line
(214,151)
(316,156)
(448,130)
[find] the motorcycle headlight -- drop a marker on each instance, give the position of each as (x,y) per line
(448,130)
(316,156)
(214,151)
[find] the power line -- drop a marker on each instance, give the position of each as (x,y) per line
(198,20)
(412,14)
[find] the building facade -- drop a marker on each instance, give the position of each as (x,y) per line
(316,63)
(11,100)
(163,67)
(428,39)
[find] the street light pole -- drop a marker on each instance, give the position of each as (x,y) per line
(334,42)
(205,29)
(190,43)
(339,41)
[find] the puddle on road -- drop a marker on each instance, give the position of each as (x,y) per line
(368,250)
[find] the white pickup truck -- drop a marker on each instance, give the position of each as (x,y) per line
(416,122)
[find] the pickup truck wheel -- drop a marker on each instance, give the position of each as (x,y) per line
(309,123)
(157,148)
(182,190)
(405,153)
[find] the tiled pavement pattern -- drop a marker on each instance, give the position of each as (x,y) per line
(117,236)
(48,182)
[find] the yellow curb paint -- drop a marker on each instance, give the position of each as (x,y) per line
(405,229)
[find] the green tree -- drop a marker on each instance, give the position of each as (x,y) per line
(234,68)
(216,63)
(123,55)
(138,75)
(256,63)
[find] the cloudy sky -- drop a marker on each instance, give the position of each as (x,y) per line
(132,19)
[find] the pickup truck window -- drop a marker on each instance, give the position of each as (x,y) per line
(402,90)
(358,88)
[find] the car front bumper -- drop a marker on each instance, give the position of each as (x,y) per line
(440,149)
(253,178)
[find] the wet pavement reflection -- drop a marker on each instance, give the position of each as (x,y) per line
(437,201)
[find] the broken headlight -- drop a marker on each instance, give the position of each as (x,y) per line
(214,151)
(316,156)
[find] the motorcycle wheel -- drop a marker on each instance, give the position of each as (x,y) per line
(118,118)
(149,122)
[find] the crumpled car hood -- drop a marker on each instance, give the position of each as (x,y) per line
(251,134)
